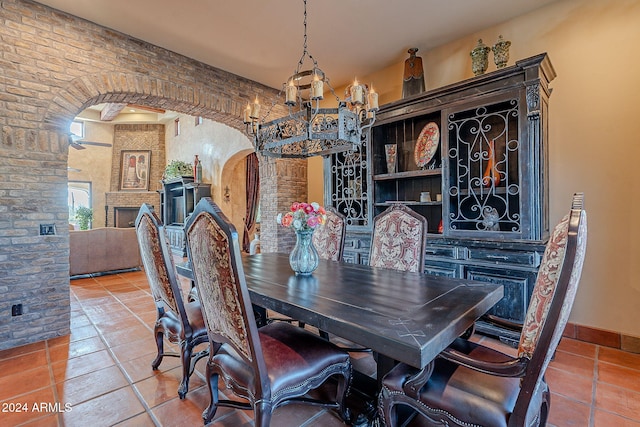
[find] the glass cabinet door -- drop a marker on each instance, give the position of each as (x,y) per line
(484,155)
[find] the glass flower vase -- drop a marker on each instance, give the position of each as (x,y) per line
(304,257)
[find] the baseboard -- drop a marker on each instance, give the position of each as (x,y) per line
(602,337)
(104,273)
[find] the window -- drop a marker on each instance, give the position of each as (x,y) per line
(198,120)
(177,123)
(79,194)
(77,129)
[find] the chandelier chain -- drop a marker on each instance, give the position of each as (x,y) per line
(305,50)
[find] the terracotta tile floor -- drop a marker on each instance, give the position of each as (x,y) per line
(100,375)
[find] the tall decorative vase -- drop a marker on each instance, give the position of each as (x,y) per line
(479,58)
(391,153)
(196,162)
(501,52)
(304,257)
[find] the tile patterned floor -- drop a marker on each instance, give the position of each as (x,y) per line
(100,375)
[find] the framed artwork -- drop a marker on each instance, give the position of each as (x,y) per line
(134,170)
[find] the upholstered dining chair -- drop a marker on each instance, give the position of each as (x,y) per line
(399,239)
(269,366)
(329,239)
(472,385)
(179,322)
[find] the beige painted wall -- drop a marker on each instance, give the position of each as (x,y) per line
(221,149)
(594,145)
(94,163)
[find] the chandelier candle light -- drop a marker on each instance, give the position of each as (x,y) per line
(303,218)
(309,130)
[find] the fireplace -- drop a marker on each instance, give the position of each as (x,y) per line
(125,217)
(122,207)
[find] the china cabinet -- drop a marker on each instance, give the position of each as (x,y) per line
(179,197)
(472,158)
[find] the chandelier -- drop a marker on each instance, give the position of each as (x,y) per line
(309,129)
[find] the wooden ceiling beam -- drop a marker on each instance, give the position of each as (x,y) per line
(147,108)
(111,111)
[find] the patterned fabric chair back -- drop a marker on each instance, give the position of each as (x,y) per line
(552,298)
(214,251)
(178,322)
(158,265)
(555,261)
(329,239)
(399,239)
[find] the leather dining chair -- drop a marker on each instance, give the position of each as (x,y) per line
(329,239)
(472,385)
(266,367)
(179,322)
(399,239)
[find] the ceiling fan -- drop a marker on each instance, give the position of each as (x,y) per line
(76,142)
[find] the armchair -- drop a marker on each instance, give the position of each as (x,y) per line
(266,367)
(472,385)
(179,322)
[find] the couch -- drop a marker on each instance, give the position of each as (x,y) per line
(103,250)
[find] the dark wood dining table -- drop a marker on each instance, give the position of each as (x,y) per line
(402,316)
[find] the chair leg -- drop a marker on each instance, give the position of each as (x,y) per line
(160,344)
(545,407)
(262,414)
(212,383)
(387,409)
(341,396)
(185,356)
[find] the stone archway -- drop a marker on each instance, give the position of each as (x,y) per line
(233,178)
(54,66)
(120,87)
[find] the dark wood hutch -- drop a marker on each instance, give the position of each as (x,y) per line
(178,198)
(487,177)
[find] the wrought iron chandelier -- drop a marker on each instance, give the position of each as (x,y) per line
(309,130)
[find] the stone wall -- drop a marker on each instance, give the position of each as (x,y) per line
(286,178)
(52,66)
(145,137)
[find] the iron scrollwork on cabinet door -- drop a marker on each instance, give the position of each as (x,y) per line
(484,153)
(349,186)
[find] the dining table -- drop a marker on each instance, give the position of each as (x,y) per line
(401,316)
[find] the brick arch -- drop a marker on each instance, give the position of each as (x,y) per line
(59,65)
(120,87)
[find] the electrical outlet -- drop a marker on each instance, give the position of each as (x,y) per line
(16,310)
(47,229)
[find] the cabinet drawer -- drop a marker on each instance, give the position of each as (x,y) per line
(353,257)
(517,285)
(508,257)
(350,257)
(454,252)
(356,243)
(439,268)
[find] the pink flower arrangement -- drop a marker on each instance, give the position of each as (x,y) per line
(303,216)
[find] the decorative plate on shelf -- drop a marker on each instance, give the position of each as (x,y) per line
(427,144)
